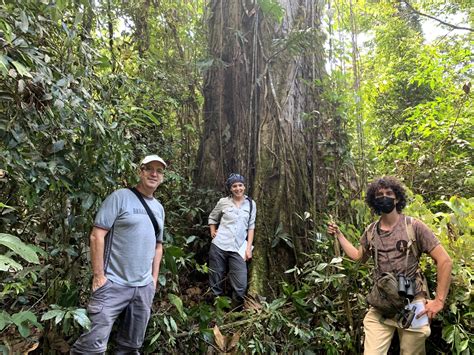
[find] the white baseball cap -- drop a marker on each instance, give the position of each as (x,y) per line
(150,158)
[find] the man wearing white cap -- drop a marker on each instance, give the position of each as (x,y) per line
(126,250)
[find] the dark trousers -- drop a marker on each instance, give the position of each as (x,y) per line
(109,302)
(218,261)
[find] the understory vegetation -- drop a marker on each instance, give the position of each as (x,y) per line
(89,87)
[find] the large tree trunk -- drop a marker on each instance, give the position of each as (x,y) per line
(265,117)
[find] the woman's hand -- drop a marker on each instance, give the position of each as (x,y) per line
(248,252)
(213,230)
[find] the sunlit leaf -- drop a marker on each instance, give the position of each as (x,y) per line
(54,313)
(178,303)
(21,69)
(7,263)
(21,249)
(58,146)
(80,316)
(4,64)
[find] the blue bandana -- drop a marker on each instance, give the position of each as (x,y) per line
(233,178)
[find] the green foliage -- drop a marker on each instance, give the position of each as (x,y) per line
(19,248)
(419,98)
(77,112)
(87,89)
(455,229)
(272,9)
(409,115)
(23,321)
(64,315)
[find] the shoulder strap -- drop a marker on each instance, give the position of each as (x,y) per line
(411,236)
(250,212)
(411,241)
(370,230)
(148,210)
(370,233)
(414,248)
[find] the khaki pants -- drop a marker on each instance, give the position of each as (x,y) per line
(379,332)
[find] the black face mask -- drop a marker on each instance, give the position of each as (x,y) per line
(384,204)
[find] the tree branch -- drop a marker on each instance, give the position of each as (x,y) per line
(436,19)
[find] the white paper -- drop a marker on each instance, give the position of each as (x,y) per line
(422,321)
(242,249)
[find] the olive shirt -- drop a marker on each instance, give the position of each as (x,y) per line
(233,222)
(392,247)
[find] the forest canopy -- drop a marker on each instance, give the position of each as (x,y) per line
(309,100)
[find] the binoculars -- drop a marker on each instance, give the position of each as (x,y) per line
(406,287)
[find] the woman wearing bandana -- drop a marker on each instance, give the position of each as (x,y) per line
(392,241)
(232,226)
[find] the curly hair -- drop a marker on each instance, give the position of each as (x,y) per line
(386,182)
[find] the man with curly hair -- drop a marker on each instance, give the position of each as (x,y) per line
(389,241)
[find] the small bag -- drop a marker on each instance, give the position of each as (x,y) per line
(384,295)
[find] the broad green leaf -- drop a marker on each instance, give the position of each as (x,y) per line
(21,69)
(321,266)
(337,276)
(155,337)
(23,250)
(23,25)
(453,308)
(173,325)
(175,251)
(190,239)
(170,263)
(148,114)
(24,316)
(272,8)
(80,316)
(463,345)
(5,320)
(6,263)
(53,314)
(448,334)
(88,201)
(178,303)
(162,280)
(57,146)
(23,329)
(62,82)
(222,302)
(23,320)
(4,64)
(167,323)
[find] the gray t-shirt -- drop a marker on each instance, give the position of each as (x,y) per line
(131,242)
(233,223)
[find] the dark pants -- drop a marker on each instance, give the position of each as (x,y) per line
(218,261)
(132,304)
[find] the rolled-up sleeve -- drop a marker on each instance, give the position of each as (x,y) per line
(216,213)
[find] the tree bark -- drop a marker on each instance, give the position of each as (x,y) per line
(265,117)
